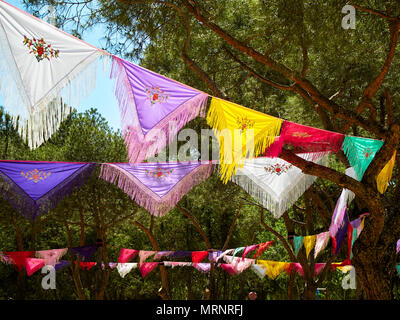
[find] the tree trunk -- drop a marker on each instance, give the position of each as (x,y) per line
(309,291)
(373,273)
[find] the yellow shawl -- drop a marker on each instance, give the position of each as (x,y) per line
(273,268)
(230,121)
(382,180)
(309,243)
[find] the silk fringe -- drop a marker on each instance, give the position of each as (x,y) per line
(145,197)
(277,208)
(36,124)
(216,120)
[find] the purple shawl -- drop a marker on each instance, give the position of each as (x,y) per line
(341,234)
(149,102)
(35,187)
(180,254)
(157,186)
(85,252)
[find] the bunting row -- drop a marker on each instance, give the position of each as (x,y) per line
(44,71)
(35,260)
(35,187)
(233,265)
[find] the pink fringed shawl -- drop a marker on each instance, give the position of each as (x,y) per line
(126,255)
(51,257)
(299,269)
(153,108)
(147,267)
(157,186)
(32,265)
(304,139)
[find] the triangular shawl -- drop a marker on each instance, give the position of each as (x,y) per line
(223,254)
(61,265)
(150,105)
(160,254)
(144,255)
(32,265)
(321,242)
(273,268)
(51,257)
(230,121)
(37,62)
(34,188)
(259,270)
(180,254)
(198,256)
(249,249)
(352,238)
(346,197)
(147,267)
(304,139)
(262,247)
(360,152)
(339,212)
(239,264)
(215,255)
(309,242)
(275,183)
(382,180)
(298,243)
(127,254)
(358,224)
(157,186)
(86,265)
(18,258)
(85,252)
(228,268)
(338,239)
(125,268)
(202,266)
(318,267)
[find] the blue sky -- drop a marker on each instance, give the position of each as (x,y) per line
(102,98)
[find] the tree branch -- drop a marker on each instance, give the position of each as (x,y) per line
(375,12)
(376,83)
(278,235)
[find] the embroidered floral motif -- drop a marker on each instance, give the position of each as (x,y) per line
(159,173)
(277,168)
(40,49)
(368,152)
(35,175)
(299,134)
(243,123)
(156,95)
